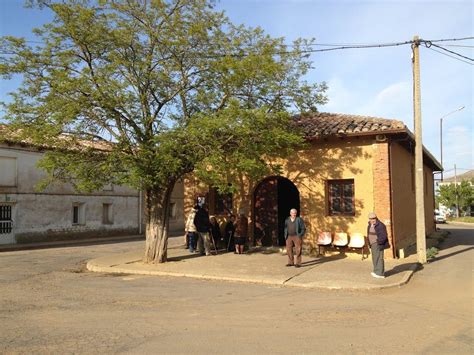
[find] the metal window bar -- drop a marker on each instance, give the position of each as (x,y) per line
(5,219)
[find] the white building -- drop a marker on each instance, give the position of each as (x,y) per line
(59,212)
(467,176)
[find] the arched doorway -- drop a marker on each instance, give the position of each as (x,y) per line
(273,199)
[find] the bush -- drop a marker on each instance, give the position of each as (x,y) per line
(431,253)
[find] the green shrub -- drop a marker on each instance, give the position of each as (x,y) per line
(431,253)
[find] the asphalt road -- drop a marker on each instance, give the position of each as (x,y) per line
(49,303)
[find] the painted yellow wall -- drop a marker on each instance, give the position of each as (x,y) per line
(336,159)
(403,170)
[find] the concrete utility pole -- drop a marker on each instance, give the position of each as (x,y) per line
(441,135)
(419,195)
(456,190)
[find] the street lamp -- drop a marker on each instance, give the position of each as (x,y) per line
(441,134)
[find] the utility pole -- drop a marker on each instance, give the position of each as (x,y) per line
(441,136)
(456,191)
(419,195)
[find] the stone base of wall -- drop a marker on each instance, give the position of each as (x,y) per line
(53,236)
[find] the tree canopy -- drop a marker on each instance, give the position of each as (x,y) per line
(170,87)
(457,195)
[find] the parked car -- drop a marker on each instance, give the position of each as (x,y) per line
(440,218)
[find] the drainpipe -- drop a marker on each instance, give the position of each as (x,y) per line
(392,227)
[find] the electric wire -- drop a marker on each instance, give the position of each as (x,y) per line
(451,56)
(450,40)
(332,47)
(452,52)
(457,45)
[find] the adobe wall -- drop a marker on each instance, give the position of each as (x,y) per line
(403,194)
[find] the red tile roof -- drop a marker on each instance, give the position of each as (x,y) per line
(65,140)
(323,124)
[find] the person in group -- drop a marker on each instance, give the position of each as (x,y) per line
(378,241)
(191,231)
(215,231)
(229,231)
(259,234)
(294,233)
(241,233)
(203,226)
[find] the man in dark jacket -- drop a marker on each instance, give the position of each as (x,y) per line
(203,225)
(294,232)
(378,241)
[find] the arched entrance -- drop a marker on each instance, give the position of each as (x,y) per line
(273,199)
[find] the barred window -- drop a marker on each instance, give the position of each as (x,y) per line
(5,219)
(340,197)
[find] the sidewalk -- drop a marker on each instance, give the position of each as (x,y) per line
(264,267)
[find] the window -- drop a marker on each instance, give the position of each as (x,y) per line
(5,219)
(107,214)
(78,215)
(340,197)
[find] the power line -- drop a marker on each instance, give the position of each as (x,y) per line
(451,56)
(458,45)
(452,39)
(333,47)
(450,51)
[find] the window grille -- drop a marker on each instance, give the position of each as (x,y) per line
(5,219)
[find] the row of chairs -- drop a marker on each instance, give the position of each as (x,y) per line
(340,240)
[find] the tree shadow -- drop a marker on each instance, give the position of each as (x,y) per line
(311,168)
(323,259)
(185,257)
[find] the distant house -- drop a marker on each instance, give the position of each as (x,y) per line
(60,212)
(457,179)
(352,165)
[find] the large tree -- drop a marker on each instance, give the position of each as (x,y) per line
(165,87)
(459,195)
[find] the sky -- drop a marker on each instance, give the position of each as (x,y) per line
(373,82)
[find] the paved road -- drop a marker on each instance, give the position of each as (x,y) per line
(50,304)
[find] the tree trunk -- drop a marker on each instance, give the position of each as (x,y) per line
(157,210)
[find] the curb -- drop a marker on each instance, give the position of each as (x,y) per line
(461,223)
(67,243)
(108,269)
(81,242)
(94,267)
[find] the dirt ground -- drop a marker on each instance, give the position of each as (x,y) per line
(50,304)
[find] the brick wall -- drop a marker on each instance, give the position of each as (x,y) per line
(381,183)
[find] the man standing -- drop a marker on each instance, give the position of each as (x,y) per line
(294,232)
(203,225)
(241,232)
(378,241)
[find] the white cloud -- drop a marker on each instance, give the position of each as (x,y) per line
(393,101)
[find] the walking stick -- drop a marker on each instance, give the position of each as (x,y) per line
(228,243)
(213,243)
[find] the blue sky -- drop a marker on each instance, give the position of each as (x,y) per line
(374,82)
